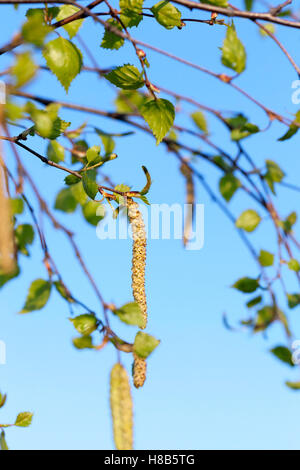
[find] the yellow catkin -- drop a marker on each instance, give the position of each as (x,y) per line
(7,257)
(139,371)
(190,201)
(121,408)
(138,256)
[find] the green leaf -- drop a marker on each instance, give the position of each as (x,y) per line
(218,3)
(294,265)
(61,289)
(274,174)
(24,69)
(248,220)
(85,324)
(266,258)
(293,300)
(72,179)
(248,4)
(166,14)
(159,114)
(144,344)
(200,121)
(35,30)
(228,185)
(293,385)
(265,317)
(2,400)
(64,59)
(78,193)
(92,154)
(46,121)
(24,419)
(129,101)
(233,51)
(24,235)
(65,200)
(147,187)
(254,301)
(55,152)
(241,127)
(126,77)
(17,206)
(37,296)
(130,12)
(91,212)
(270,27)
(293,129)
(3,444)
(289,222)
(246,285)
(131,314)
(83,342)
(111,40)
(283,354)
(64,12)
(90,186)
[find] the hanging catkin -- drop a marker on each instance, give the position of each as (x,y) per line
(139,371)
(138,256)
(7,257)
(121,408)
(190,201)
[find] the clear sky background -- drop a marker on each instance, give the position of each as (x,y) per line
(207,387)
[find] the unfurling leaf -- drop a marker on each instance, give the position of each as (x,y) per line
(159,114)
(121,408)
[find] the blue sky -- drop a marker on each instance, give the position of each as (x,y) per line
(207,388)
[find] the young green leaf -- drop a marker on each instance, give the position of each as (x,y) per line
(131,12)
(265,258)
(37,296)
(24,69)
(65,201)
(91,212)
(248,220)
(159,114)
(166,14)
(283,354)
(92,154)
(293,300)
(90,186)
(144,344)
(126,77)
(64,59)
(228,185)
(35,29)
(24,419)
(131,314)
(233,51)
(64,12)
(24,235)
(200,121)
(85,324)
(83,342)
(247,285)
(55,152)
(3,443)
(293,385)
(111,40)
(294,265)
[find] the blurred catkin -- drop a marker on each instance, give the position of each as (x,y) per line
(121,408)
(7,258)
(139,371)
(138,256)
(190,201)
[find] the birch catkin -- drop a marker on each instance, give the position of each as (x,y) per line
(190,201)
(7,258)
(121,408)
(138,256)
(139,371)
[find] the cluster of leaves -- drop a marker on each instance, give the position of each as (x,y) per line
(23,420)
